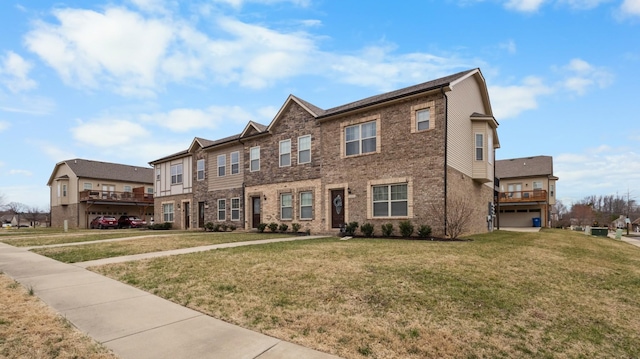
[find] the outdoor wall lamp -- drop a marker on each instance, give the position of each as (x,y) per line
(349,190)
(264,196)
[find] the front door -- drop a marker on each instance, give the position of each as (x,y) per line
(187,215)
(200,214)
(337,208)
(255,221)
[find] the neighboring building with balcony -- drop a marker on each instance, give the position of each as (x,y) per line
(411,154)
(527,191)
(83,189)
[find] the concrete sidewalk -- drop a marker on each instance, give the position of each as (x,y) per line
(136,324)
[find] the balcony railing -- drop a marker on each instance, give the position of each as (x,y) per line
(538,195)
(112,196)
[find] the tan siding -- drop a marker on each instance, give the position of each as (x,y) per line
(228,180)
(464,100)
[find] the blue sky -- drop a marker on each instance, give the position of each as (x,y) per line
(130,81)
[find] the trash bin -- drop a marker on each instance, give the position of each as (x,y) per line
(536,222)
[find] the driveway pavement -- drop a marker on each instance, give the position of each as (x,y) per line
(136,324)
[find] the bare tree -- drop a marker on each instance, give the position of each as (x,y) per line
(459,214)
(583,213)
(16,208)
(32,214)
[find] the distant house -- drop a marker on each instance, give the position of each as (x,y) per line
(527,191)
(413,154)
(83,189)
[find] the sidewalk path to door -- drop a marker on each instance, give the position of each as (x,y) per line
(135,324)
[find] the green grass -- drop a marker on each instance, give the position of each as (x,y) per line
(163,241)
(59,237)
(503,295)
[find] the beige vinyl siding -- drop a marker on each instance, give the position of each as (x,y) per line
(71,182)
(464,99)
(482,169)
(164,186)
(228,180)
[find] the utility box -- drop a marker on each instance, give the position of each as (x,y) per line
(600,231)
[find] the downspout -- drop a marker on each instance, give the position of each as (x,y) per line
(244,200)
(446,153)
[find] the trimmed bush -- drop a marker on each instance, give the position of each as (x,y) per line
(351,228)
(223,227)
(261,227)
(295,227)
(387,229)
(161,226)
(367,229)
(208,226)
(216,227)
(424,231)
(232,227)
(406,228)
(273,226)
(283,227)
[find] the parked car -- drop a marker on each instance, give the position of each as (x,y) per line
(131,222)
(101,222)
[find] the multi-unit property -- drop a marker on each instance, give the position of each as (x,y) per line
(82,189)
(527,191)
(411,154)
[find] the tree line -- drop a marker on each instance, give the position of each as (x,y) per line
(23,213)
(600,210)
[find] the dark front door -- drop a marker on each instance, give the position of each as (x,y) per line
(255,221)
(200,214)
(337,208)
(187,215)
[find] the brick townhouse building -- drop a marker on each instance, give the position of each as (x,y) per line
(409,154)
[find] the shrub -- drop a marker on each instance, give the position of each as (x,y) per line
(424,231)
(283,227)
(216,227)
(295,227)
(208,226)
(273,226)
(406,228)
(232,227)
(161,226)
(261,227)
(387,229)
(367,229)
(350,229)
(223,227)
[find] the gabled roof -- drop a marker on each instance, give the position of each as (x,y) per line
(315,111)
(105,170)
(199,142)
(176,155)
(397,94)
(525,167)
(253,128)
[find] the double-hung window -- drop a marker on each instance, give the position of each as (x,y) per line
(235,162)
(422,119)
(87,186)
(176,173)
(479,147)
(200,169)
(306,205)
(286,206)
(390,200)
(222,165)
(222,210)
(158,174)
(285,153)
(360,138)
(254,158)
(167,212)
(304,149)
(235,209)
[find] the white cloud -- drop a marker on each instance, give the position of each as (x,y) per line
(108,132)
(510,101)
(4,125)
(581,76)
(509,46)
(14,72)
(524,5)
(184,119)
(584,4)
(239,3)
(630,7)
(117,46)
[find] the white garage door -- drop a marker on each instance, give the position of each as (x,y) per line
(518,218)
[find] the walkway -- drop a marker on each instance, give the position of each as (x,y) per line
(136,324)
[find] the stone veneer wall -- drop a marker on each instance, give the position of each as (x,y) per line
(178,214)
(478,194)
(70,213)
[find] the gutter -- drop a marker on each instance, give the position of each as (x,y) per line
(446,153)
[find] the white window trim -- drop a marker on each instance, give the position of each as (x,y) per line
(282,218)
(280,153)
(390,181)
(361,121)
(236,163)
(178,175)
(224,165)
(301,150)
(251,158)
(432,116)
(300,205)
(165,214)
(223,210)
(476,148)
(235,209)
(200,171)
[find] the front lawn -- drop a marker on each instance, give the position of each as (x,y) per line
(503,295)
